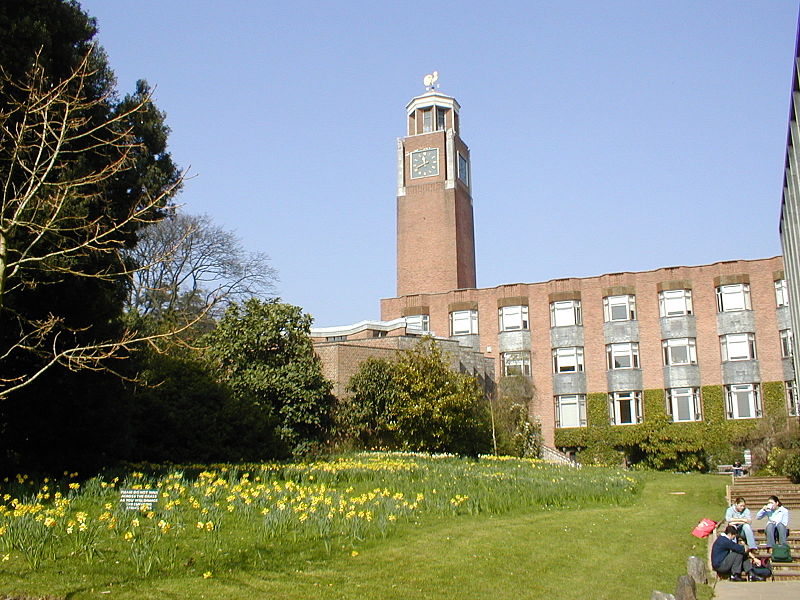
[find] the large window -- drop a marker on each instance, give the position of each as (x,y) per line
(623,356)
(516,363)
(738,346)
(786,343)
(463,169)
(733,297)
(742,401)
(571,410)
(674,303)
(513,318)
(683,404)
(463,322)
(625,408)
(568,360)
(427,120)
(420,322)
(619,308)
(565,312)
(781,293)
(791,398)
(680,351)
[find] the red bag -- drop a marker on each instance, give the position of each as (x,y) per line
(704,528)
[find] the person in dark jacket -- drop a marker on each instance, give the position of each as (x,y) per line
(728,557)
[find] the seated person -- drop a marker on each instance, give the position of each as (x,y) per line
(728,557)
(738,471)
(739,516)
(778,517)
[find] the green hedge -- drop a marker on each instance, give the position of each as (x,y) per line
(659,443)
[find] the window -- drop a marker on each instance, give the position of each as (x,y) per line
(516,363)
(463,322)
(421,322)
(336,338)
(513,318)
(619,308)
(623,356)
(742,401)
(673,303)
(733,297)
(440,118)
(427,120)
(571,410)
(791,398)
(680,351)
(683,404)
(786,343)
(565,312)
(463,169)
(738,346)
(781,293)
(625,408)
(568,360)
(378,334)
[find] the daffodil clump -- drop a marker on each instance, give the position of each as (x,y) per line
(201,514)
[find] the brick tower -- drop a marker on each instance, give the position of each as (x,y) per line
(435,232)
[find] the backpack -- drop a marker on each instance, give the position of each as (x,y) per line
(781,553)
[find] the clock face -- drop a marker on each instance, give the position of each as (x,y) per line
(425,163)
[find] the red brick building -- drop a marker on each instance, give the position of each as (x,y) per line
(669,333)
(675,329)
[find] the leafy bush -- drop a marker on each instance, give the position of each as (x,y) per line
(791,466)
(416,403)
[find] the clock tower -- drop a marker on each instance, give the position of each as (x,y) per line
(435,232)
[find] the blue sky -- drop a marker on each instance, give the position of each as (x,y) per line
(605,136)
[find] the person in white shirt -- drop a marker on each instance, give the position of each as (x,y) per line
(778,516)
(738,515)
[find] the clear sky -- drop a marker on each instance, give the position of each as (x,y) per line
(605,136)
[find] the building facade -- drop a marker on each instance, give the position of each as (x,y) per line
(644,345)
(343,349)
(435,232)
(790,204)
(676,330)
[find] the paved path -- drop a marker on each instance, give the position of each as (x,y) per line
(757,590)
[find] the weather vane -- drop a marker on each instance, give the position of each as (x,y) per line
(430,80)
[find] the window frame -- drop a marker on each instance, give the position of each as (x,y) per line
(689,343)
(506,313)
(728,340)
(790,390)
(787,341)
(694,404)
(632,353)
(463,169)
(471,317)
(579,400)
(781,293)
(728,291)
(668,297)
(424,322)
(627,301)
(521,358)
(754,401)
(634,397)
(561,358)
(566,306)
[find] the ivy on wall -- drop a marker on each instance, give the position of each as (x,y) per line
(659,443)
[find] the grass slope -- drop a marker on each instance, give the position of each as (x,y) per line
(605,552)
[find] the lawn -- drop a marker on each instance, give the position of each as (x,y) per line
(495,529)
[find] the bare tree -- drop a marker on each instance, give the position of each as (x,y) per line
(62,217)
(190,265)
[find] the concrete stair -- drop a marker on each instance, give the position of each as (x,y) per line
(755,491)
